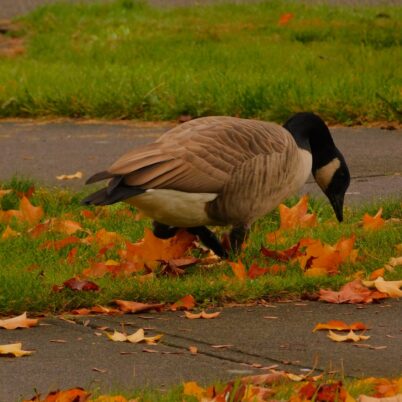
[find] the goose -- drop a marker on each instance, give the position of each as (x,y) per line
(221,170)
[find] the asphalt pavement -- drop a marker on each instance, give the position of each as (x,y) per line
(240,342)
(44,150)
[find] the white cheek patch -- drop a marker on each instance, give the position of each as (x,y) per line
(323,175)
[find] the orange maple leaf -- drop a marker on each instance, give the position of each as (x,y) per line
(30,214)
(373,222)
(297,215)
(185,303)
(239,270)
(319,258)
(103,238)
(285,18)
(340,326)
(70,395)
(151,249)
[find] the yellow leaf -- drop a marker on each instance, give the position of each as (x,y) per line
(136,337)
(4,192)
(391,288)
(116,336)
(20,321)
(191,388)
(76,175)
(14,349)
(350,337)
(108,398)
(395,261)
(203,314)
(8,232)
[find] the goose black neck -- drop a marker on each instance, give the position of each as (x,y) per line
(312,134)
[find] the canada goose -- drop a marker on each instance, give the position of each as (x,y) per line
(224,171)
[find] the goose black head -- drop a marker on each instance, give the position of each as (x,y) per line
(329,167)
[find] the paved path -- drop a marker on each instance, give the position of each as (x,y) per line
(12,8)
(68,355)
(45,150)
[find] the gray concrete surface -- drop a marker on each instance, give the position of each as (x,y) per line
(45,150)
(13,8)
(68,355)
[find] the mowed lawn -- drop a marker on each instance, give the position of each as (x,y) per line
(126,60)
(36,259)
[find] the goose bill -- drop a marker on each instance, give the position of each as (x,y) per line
(336,201)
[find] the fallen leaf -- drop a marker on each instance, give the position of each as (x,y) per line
(297,215)
(391,288)
(69,395)
(76,175)
(185,303)
(136,337)
(96,310)
(20,321)
(136,307)
(30,213)
(59,244)
(377,273)
(282,255)
(9,233)
(103,238)
(5,192)
(285,18)
(351,336)
(239,270)
(373,222)
(191,388)
(339,326)
(193,350)
(80,285)
(150,250)
(203,314)
(353,292)
(14,349)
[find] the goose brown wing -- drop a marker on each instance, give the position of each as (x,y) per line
(200,156)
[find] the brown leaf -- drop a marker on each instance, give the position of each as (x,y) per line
(20,321)
(185,303)
(80,285)
(353,292)
(59,244)
(96,310)
(282,255)
(136,307)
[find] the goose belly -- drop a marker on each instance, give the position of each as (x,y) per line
(174,208)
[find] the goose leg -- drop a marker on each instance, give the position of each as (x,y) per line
(209,239)
(164,231)
(237,236)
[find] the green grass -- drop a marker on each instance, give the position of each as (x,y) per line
(127,60)
(27,272)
